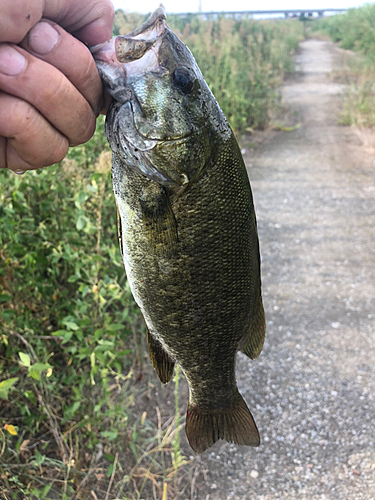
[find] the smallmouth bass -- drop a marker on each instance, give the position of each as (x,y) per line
(187,225)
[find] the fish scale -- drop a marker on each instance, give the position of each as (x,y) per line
(188,231)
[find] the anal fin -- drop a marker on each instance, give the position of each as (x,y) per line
(160,359)
(235,424)
(254,340)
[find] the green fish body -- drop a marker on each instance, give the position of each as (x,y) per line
(187,226)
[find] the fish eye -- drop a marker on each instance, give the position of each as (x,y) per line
(183,79)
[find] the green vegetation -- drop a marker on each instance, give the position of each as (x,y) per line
(354,31)
(75,416)
(244,63)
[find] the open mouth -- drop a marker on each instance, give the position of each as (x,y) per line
(131,55)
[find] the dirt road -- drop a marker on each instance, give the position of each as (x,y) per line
(312,390)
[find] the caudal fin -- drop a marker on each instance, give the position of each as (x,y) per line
(235,425)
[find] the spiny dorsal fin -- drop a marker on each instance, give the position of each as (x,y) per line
(253,343)
(236,425)
(160,359)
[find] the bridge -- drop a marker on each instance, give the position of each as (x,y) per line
(263,13)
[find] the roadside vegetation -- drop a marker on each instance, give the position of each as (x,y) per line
(78,414)
(354,31)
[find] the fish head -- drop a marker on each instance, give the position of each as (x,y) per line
(163,121)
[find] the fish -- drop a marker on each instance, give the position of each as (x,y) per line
(187,225)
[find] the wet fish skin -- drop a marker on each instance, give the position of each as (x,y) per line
(187,228)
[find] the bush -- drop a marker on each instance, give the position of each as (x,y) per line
(66,311)
(354,30)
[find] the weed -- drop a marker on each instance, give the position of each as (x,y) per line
(354,31)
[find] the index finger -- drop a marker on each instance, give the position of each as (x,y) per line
(89,20)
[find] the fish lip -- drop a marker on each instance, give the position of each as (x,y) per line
(141,30)
(159,13)
(134,54)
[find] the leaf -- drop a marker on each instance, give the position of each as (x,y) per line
(37,368)
(39,458)
(114,327)
(25,359)
(65,334)
(71,325)
(11,429)
(8,315)
(81,222)
(6,385)
(71,410)
(31,396)
(110,470)
(4,297)
(111,435)
(46,489)
(81,198)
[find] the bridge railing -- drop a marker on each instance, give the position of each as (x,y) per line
(264,13)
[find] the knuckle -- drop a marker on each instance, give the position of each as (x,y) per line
(86,130)
(87,74)
(18,18)
(110,11)
(105,11)
(22,116)
(57,150)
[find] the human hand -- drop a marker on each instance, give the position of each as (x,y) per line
(50,90)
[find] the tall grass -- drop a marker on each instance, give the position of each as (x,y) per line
(75,421)
(354,31)
(244,62)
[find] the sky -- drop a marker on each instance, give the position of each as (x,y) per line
(145,6)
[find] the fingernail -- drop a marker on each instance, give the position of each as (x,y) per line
(12,62)
(19,171)
(42,38)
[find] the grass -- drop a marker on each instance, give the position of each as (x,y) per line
(77,419)
(354,31)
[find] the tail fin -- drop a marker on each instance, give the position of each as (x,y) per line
(235,425)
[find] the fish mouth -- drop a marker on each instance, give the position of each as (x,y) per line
(130,55)
(123,59)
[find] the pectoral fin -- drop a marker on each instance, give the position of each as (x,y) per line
(159,223)
(160,359)
(253,343)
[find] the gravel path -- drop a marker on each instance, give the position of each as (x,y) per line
(312,389)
